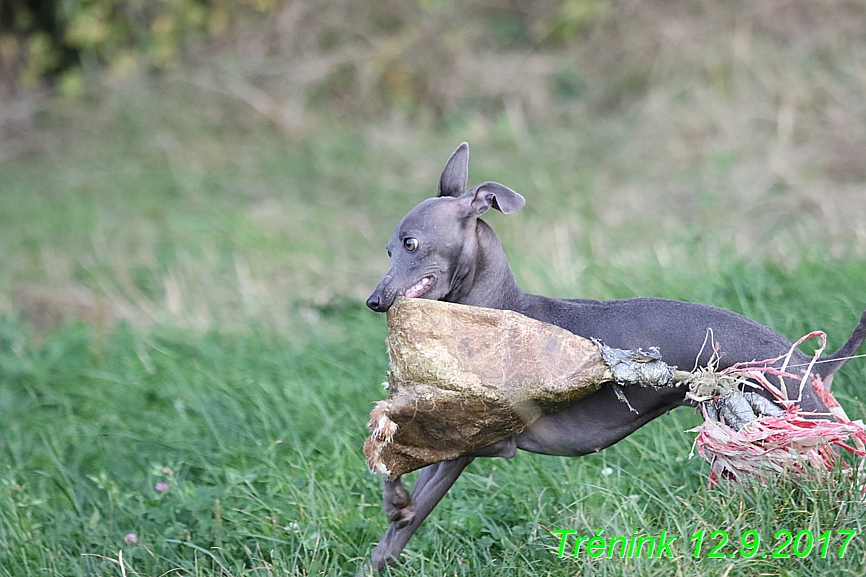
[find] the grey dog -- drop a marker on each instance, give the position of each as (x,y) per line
(442,250)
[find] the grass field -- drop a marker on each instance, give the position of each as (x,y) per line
(186,364)
(240,455)
(208,389)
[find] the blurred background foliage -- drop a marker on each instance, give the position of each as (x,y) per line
(56,40)
(182,158)
(419,55)
(550,60)
(60,40)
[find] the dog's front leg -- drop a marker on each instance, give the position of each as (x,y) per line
(432,484)
(398,502)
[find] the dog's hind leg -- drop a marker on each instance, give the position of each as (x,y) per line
(827,366)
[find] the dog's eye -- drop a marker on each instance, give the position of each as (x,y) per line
(410,243)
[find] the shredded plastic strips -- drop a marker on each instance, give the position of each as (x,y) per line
(463,378)
(785,441)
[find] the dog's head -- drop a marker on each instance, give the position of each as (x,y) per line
(434,246)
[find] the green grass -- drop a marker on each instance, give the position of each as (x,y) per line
(258,441)
(250,437)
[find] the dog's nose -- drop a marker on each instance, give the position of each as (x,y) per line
(375,303)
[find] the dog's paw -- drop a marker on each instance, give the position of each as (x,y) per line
(402,517)
(398,504)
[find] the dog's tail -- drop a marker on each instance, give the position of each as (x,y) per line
(826,366)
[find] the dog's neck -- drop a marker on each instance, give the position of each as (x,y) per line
(484,277)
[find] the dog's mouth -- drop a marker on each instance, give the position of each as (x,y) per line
(421,287)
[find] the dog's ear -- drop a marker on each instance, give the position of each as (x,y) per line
(493,194)
(456,174)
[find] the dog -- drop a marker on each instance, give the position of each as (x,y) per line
(442,250)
